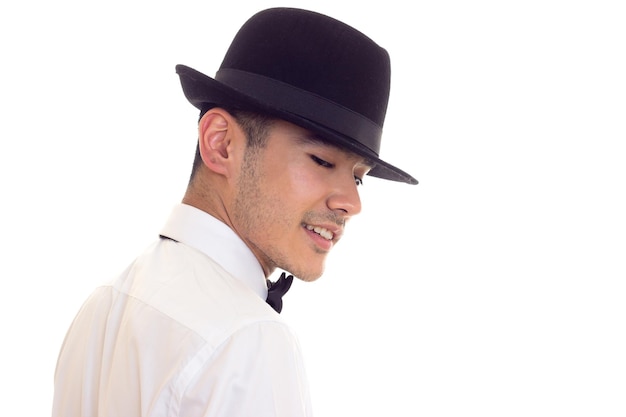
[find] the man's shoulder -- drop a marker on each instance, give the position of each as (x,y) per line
(190,288)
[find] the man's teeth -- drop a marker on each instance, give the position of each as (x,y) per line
(325,233)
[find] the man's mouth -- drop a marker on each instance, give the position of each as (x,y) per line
(323,232)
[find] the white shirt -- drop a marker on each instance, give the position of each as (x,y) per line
(184,331)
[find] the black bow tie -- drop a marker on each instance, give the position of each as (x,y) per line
(276,290)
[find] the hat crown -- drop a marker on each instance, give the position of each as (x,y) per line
(317,54)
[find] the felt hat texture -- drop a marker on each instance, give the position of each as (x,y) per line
(308,69)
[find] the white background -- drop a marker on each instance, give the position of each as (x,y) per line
(496,287)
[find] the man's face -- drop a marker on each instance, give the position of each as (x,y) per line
(293,199)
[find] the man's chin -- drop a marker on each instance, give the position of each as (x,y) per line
(308,275)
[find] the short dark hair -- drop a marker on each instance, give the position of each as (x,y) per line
(255,126)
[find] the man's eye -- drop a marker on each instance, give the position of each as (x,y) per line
(321,162)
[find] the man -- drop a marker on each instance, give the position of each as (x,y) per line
(289,127)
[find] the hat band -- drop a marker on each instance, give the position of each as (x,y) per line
(304,104)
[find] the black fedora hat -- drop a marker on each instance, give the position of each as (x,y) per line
(308,69)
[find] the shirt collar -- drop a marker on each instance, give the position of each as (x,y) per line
(201,231)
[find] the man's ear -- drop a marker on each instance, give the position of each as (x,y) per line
(215,133)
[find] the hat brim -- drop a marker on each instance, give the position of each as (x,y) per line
(203,91)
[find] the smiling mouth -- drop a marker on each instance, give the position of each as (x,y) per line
(323,232)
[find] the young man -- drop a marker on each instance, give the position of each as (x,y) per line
(289,127)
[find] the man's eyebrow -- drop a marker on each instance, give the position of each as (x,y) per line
(311,138)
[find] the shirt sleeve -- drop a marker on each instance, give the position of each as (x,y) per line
(258,371)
